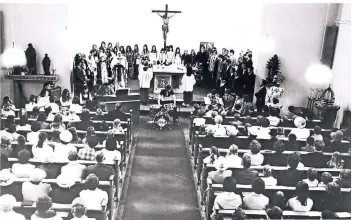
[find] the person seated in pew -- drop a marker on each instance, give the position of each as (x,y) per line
(116,113)
(75,106)
(265,112)
(31,103)
(274,116)
(273,138)
(219,129)
(247,106)
(54,107)
(232,159)
(228,101)
(44,211)
(73,168)
(199,120)
(300,131)
(88,152)
(301,202)
(94,197)
(102,171)
(291,176)
(49,114)
(274,212)
(277,158)
(246,175)
(79,209)
(292,144)
(85,120)
(42,121)
(268,178)
(89,133)
(111,152)
(278,200)
(236,120)
(62,149)
(57,124)
(4,160)
(7,202)
(23,168)
(64,193)
(75,138)
(309,145)
(43,99)
(12,132)
(336,144)
(65,99)
(218,176)
(327,214)
(256,200)
(312,176)
(316,159)
(7,109)
(300,164)
(99,115)
(34,113)
(5,146)
(290,115)
(326,178)
(117,127)
(344,180)
(23,123)
(6,184)
(42,150)
(72,116)
(21,144)
(214,155)
(227,199)
(51,169)
(336,161)
(34,188)
(331,199)
(262,130)
(257,158)
(317,133)
(33,136)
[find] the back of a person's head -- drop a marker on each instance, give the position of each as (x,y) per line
(7,202)
(302,191)
(92,141)
(12,128)
(229,184)
(75,100)
(310,141)
(345,174)
(279,199)
(78,208)
(35,110)
(237,107)
(333,189)
(21,140)
(72,156)
(312,174)
(118,106)
(73,131)
(90,131)
(42,137)
(317,129)
(293,160)
(32,98)
(110,144)
(47,110)
(57,118)
(85,115)
(51,99)
(326,178)
(255,147)
(233,149)
(246,161)
(258,186)
(292,138)
(275,212)
(291,108)
(116,123)
(43,203)
(319,145)
(327,214)
(218,119)
(267,171)
(41,117)
(35,126)
(337,136)
(239,214)
(279,146)
(99,157)
(92,182)
(23,156)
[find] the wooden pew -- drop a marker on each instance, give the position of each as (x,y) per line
(316,194)
(63,210)
(107,186)
(261,214)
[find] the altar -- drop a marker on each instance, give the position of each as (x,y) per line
(168,75)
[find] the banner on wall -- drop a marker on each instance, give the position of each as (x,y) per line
(207,45)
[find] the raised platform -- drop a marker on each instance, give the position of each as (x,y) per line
(37,78)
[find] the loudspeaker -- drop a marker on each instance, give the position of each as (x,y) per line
(2,32)
(329,46)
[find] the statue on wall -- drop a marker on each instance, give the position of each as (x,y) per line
(46,65)
(31,56)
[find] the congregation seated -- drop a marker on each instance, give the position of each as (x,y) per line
(292,144)
(43,205)
(73,169)
(65,99)
(336,144)
(102,171)
(268,178)
(99,115)
(23,123)
(75,105)
(300,131)
(92,196)
(301,202)
(79,209)
(34,113)
(75,138)
(317,133)
(64,193)
(88,152)
(49,114)
(23,168)
(7,108)
(232,158)
(90,132)
(33,136)
(246,175)
(317,158)
(54,107)
(256,200)
(51,169)
(312,176)
(111,152)
(345,179)
(310,145)
(214,155)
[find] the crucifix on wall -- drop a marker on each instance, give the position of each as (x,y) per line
(165,17)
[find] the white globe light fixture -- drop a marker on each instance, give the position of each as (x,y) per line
(13,57)
(318,74)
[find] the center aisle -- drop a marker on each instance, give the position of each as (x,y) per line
(161,184)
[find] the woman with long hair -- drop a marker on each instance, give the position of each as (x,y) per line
(75,138)
(136,61)
(42,149)
(122,50)
(43,98)
(102,67)
(65,99)
(32,103)
(130,59)
(170,56)
(214,155)
(57,124)
(153,55)
(177,58)
(336,161)
(111,151)
(23,122)
(193,58)
(162,57)
(90,133)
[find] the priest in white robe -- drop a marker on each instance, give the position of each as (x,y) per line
(144,77)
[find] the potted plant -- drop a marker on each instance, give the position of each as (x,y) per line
(275,76)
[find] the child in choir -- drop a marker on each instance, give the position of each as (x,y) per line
(129,58)
(162,57)
(177,58)
(153,55)
(145,53)
(103,66)
(136,61)
(311,178)
(65,99)
(169,56)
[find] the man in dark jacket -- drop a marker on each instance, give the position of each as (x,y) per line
(116,113)
(317,158)
(79,78)
(102,171)
(260,96)
(246,175)
(291,176)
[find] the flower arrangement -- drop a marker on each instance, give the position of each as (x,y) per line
(275,75)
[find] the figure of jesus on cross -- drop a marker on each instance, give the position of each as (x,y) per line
(165,17)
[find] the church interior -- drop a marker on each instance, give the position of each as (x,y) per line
(175,110)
